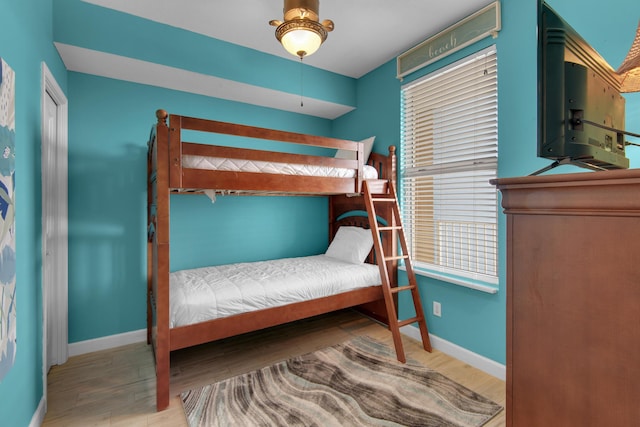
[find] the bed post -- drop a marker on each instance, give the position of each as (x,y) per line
(361,162)
(175,151)
(391,165)
(161,261)
(150,231)
(341,204)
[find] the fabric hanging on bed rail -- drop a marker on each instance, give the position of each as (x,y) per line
(211,194)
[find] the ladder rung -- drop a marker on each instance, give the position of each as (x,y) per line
(402,288)
(393,258)
(385,199)
(408,321)
(397,227)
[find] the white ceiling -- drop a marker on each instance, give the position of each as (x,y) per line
(367,34)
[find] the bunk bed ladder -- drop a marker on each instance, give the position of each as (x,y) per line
(395,225)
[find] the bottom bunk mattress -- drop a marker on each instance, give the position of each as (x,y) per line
(207,293)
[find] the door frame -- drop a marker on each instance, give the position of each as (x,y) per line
(55,289)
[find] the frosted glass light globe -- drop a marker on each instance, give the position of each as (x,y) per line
(302,42)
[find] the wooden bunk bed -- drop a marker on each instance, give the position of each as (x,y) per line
(168,174)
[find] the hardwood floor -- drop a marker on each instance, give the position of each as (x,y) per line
(116,387)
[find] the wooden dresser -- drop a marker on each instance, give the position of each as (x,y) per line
(573,299)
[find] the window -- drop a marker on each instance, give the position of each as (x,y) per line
(449,152)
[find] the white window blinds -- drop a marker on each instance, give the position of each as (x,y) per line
(449,152)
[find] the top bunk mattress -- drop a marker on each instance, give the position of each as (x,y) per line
(207,293)
(240,165)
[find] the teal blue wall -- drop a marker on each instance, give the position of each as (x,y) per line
(470,318)
(107,202)
(110,121)
(25,42)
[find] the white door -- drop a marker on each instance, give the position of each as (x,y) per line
(49,227)
(54,223)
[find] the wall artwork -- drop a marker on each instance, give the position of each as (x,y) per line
(7,219)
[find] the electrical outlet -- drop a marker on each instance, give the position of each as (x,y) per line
(437,309)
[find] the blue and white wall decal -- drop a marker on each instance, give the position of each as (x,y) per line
(7,220)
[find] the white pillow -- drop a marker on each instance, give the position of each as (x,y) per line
(351,244)
(351,155)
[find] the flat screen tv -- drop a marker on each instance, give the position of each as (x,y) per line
(581,110)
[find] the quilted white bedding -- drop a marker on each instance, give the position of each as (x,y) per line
(207,293)
(238,165)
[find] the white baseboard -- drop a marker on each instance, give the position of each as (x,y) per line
(485,364)
(38,416)
(104,343)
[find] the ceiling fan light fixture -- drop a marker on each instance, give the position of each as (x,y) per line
(301,37)
(301,34)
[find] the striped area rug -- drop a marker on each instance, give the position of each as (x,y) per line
(357,383)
